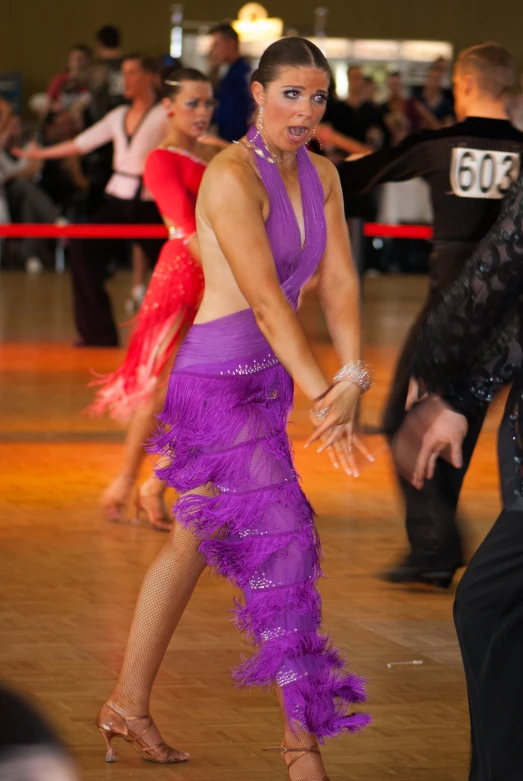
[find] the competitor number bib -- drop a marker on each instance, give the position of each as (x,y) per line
(478,173)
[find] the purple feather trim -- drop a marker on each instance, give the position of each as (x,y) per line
(228,434)
(320,704)
(301,599)
(241,513)
(261,669)
(237,559)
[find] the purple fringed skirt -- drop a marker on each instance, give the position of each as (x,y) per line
(225,421)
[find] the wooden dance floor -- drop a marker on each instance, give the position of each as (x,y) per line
(70,579)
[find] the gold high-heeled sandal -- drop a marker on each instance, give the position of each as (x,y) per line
(284,750)
(112,725)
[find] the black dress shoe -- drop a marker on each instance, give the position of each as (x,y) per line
(408,573)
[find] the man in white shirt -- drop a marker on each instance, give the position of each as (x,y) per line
(135,131)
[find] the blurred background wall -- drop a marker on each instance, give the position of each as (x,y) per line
(36,34)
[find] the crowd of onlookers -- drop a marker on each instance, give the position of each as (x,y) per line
(91,85)
(72,188)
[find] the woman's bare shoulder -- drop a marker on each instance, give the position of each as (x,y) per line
(233,168)
(327,172)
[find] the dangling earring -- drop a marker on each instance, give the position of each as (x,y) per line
(314,136)
(259,122)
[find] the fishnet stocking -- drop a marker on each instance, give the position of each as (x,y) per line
(305,767)
(164,595)
(165,592)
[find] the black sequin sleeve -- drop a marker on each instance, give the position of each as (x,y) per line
(469,344)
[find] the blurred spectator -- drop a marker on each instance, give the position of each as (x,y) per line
(107,93)
(63,180)
(233,91)
(401,202)
(106,80)
(515,106)
(357,117)
(370,90)
(398,104)
(70,90)
(6,111)
(14,132)
(29,749)
(26,200)
(435,99)
(329,141)
(135,131)
(360,119)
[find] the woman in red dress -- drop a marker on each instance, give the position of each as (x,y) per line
(136,391)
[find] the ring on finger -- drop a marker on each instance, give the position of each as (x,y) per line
(321,414)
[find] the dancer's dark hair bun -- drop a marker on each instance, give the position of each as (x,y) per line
(174,80)
(288,53)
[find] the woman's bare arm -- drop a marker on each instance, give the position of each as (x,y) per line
(338,285)
(55,152)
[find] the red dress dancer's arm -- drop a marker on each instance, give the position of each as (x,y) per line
(173,295)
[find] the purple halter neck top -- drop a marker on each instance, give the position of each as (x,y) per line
(233,336)
(295,264)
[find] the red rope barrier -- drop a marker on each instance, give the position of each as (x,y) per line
(88,231)
(376,230)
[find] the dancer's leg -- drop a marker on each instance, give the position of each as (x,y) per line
(165,592)
(489,621)
(432,525)
(139,262)
(308,764)
(141,426)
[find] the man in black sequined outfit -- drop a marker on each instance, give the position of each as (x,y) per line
(475,338)
(469,167)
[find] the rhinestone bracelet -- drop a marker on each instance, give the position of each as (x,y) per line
(358,372)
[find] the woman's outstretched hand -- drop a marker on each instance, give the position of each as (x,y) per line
(333,416)
(31,152)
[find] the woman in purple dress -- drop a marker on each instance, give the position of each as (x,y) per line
(269,214)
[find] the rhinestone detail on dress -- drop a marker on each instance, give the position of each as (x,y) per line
(284,677)
(254,368)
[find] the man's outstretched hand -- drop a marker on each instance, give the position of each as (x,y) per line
(430,430)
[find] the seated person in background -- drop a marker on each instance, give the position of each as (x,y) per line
(71,90)
(26,200)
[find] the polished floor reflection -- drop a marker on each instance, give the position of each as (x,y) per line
(69,579)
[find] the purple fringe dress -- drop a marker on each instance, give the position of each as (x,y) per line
(225,416)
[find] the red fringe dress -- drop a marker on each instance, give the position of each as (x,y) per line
(173,176)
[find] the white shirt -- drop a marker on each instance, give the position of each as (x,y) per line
(129,154)
(405,202)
